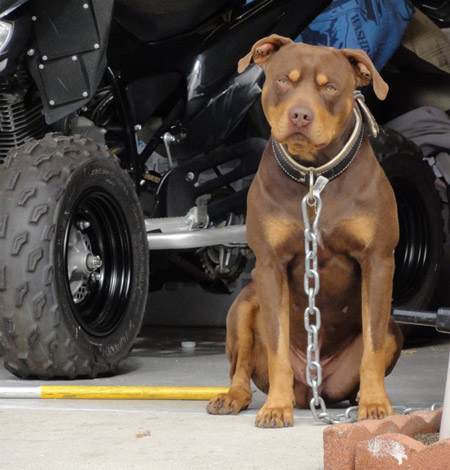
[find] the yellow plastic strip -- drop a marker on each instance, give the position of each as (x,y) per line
(95,392)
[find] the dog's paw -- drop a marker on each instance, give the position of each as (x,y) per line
(374,409)
(230,403)
(275,417)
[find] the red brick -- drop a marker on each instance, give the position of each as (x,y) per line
(434,457)
(386,452)
(340,441)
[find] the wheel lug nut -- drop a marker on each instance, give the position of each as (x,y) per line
(83,224)
(95,277)
(93,262)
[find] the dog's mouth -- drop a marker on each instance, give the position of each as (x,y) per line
(300,143)
(297,136)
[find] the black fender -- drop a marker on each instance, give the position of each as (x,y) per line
(67,66)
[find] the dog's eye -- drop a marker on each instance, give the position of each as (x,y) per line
(283,82)
(330,88)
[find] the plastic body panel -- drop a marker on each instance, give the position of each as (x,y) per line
(214,95)
(54,52)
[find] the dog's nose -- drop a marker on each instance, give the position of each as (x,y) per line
(301,116)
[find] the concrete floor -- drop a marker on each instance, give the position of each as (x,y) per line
(69,434)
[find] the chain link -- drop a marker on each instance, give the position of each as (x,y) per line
(311,208)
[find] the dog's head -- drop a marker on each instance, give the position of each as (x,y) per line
(307,95)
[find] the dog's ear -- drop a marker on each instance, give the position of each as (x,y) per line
(366,72)
(262,50)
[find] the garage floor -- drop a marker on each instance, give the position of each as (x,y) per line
(46,434)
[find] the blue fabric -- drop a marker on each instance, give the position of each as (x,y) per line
(376,26)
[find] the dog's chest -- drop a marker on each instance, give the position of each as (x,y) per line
(338,271)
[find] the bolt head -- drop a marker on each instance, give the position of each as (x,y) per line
(190,176)
(74,58)
(41,66)
(96,45)
(93,262)
(30,52)
(51,102)
(85,6)
(34,18)
(83,224)
(85,94)
(137,127)
(44,58)
(95,277)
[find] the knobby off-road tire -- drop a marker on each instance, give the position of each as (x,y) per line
(418,256)
(44,186)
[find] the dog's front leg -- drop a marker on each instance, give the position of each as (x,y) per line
(273,292)
(376,282)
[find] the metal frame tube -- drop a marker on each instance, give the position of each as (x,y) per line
(233,235)
(414,317)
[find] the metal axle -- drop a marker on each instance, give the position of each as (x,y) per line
(233,235)
(439,320)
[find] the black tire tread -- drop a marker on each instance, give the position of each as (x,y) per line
(35,341)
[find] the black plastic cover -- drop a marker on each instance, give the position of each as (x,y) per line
(146,94)
(223,112)
(71,80)
(160,19)
(56,46)
(65,28)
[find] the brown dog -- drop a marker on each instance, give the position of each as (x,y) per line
(308,101)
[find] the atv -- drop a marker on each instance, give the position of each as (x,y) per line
(124,129)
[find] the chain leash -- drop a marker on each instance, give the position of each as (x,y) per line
(311,208)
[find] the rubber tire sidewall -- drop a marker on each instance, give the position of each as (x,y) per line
(103,174)
(39,335)
(411,167)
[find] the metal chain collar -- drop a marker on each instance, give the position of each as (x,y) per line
(311,208)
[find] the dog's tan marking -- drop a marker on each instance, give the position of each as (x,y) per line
(362,230)
(277,230)
(294,75)
(375,303)
(321,79)
(240,343)
(374,402)
(391,349)
(278,409)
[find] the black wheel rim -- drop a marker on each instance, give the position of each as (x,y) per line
(413,249)
(100,218)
